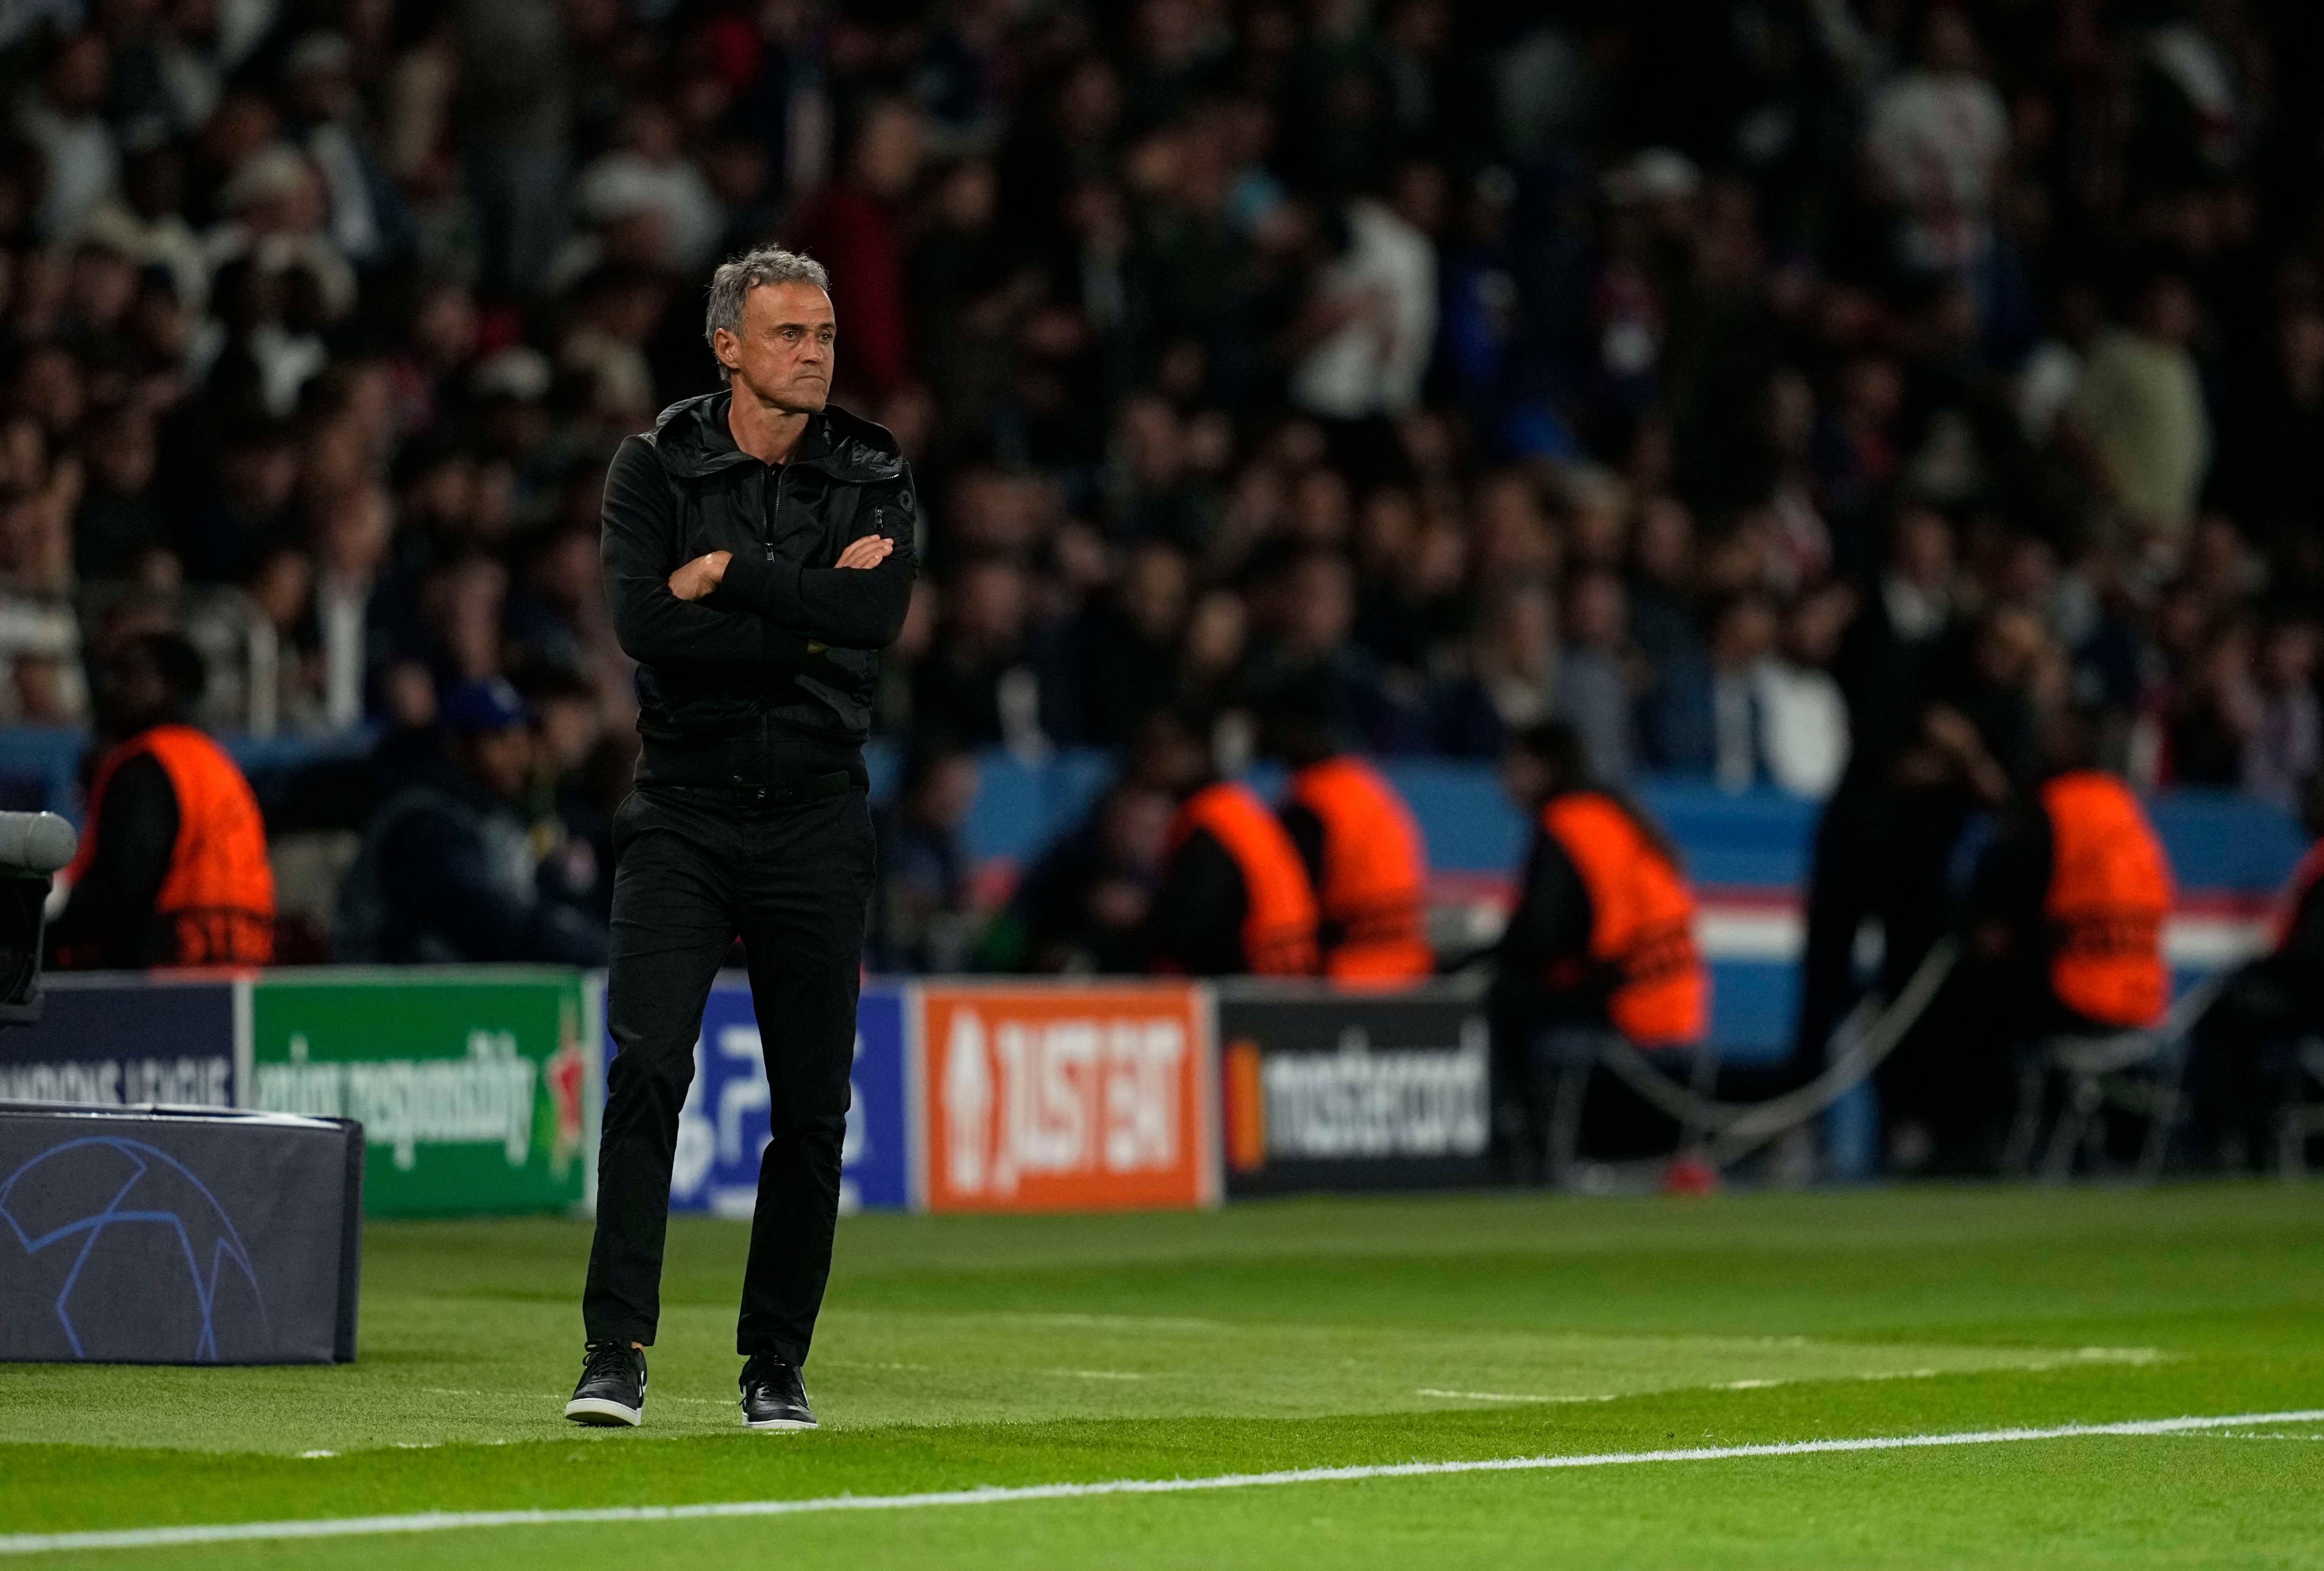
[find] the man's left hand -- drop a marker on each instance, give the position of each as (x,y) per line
(868,551)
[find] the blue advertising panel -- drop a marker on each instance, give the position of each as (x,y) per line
(875,1173)
(723,1127)
(123,1042)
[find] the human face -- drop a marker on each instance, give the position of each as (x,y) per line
(134,693)
(502,760)
(783,354)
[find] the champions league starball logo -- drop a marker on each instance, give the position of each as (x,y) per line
(127,1234)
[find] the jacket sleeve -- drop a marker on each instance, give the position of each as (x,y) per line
(847,608)
(654,626)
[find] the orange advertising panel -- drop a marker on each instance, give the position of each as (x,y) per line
(1066,1098)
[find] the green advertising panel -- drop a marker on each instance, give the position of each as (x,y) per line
(471,1085)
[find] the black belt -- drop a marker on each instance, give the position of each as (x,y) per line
(815,788)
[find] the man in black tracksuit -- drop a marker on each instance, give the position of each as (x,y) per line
(758,551)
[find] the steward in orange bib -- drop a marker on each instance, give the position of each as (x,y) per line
(172,869)
(1603,930)
(1362,851)
(2247,1043)
(2069,900)
(2063,936)
(1235,898)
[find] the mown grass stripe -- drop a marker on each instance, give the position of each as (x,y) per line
(445,1521)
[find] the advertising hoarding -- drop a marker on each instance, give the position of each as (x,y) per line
(471,1085)
(723,1127)
(122,1040)
(1345,1090)
(1056,1098)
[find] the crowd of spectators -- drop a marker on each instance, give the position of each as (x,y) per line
(1636,362)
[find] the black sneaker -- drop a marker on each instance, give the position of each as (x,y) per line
(772,1395)
(612,1388)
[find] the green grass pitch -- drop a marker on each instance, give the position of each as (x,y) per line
(1020,1351)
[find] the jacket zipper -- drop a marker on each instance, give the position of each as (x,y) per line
(775,512)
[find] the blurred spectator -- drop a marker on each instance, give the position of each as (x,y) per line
(979,683)
(1937,136)
(1742,639)
(1314,606)
(61,118)
(920,912)
(1127,646)
(1082,907)
(2142,400)
(853,227)
(1364,335)
(1592,689)
(447,872)
(353,539)
(2286,747)
(578,782)
(1802,715)
(1509,685)
(645,172)
(1674,719)
(120,515)
(517,81)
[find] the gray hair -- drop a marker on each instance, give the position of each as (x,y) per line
(731,284)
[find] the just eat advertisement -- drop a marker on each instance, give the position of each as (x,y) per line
(1066,1098)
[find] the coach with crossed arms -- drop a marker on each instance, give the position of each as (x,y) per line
(757,552)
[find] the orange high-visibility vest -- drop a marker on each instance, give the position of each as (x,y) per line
(2286,911)
(1642,920)
(1278,925)
(1372,887)
(2109,891)
(217,902)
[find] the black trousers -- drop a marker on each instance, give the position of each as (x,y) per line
(695,867)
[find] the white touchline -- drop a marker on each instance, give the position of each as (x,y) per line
(1503,1396)
(445,1521)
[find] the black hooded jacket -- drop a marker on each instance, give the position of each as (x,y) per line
(779,662)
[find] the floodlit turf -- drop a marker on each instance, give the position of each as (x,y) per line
(959,1353)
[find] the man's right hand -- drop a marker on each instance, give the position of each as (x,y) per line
(699,577)
(868,551)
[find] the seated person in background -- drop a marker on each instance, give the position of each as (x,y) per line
(446,872)
(1602,934)
(1082,907)
(2266,1006)
(1357,838)
(172,867)
(2068,902)
(2063,937)
(1234,899)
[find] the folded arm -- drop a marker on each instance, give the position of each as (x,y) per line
(655,626)
(858,604)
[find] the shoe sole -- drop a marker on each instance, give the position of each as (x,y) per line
(774,1424)
(599,1413)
